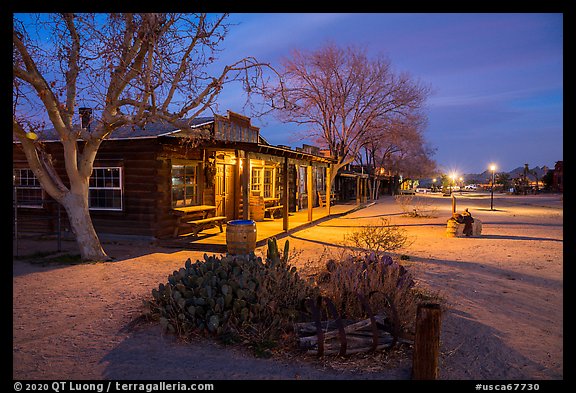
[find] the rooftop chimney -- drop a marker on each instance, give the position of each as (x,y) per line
(86,116)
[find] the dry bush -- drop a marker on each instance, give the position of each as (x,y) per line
(385,284)
(376,238)
(415,206)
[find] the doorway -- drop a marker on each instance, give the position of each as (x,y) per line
(224,197)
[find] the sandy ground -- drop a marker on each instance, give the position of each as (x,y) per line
(503,294)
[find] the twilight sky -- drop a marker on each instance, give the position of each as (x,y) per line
(496,78)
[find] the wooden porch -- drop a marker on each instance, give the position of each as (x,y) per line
(212,240)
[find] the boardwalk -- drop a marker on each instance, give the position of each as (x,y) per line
(215,241)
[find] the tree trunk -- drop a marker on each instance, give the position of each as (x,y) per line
(377,191)
(81,224)
(334,168)
(370,189)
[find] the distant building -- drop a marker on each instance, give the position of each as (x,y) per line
(558,177)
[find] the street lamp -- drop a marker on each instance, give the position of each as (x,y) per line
(493,169)
(434,185)
(452,177)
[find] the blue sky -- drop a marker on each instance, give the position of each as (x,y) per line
(497,79)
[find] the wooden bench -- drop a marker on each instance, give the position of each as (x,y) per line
(204,223)
(322,199)
(187,214)
(272,209)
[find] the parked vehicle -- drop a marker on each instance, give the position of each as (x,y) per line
(471,187)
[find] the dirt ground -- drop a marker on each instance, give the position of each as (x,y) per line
(503,293)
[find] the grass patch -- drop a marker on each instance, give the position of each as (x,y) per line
(52,258)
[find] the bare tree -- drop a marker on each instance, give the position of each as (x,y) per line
(339,93)
(132,68)
(397,145)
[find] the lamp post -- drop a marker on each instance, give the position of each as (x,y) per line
(452,177)
(434,185)
(493,169)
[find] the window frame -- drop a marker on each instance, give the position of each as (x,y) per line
(268,187)
(184,186)
(18,187)
(259,183)
(120,188)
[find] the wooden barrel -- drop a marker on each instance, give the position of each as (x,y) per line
(451,228)
(240,236)
(256,209)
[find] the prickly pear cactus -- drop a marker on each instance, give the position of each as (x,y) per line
(232,293)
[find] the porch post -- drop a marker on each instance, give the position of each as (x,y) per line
(245,186)
(202,181)
(328,189)
(309,190)
(358,190)
(237,184)
(365,190)
(285,195)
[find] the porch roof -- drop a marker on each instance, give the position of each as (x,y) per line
(166,132)
(262,148)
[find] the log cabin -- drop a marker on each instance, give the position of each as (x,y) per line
(150,181)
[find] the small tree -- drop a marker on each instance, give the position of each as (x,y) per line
(133,69)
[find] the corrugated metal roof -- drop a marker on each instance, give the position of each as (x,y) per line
(151,130)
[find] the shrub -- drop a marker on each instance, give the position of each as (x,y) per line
(233,295)
(378,238)
(416,206)
(385,284)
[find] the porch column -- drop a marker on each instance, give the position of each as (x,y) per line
(245,186)
(328,189)
(237,184)
(358,186)
(201,181)
(285,195)
(365,190)
(309,190)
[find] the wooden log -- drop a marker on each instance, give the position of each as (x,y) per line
(348,329)
(426,342)
(350,351)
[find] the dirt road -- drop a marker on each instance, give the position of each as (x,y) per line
(504,291)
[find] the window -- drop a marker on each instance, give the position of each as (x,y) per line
(256,181)
(28,190)
(268,182)
(105,189)
(185,185)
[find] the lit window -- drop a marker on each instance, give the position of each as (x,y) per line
(256,181)
(105,189)
(268,179)
(184,185)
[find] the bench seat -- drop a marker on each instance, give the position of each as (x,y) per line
(272,209)
(204,223)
